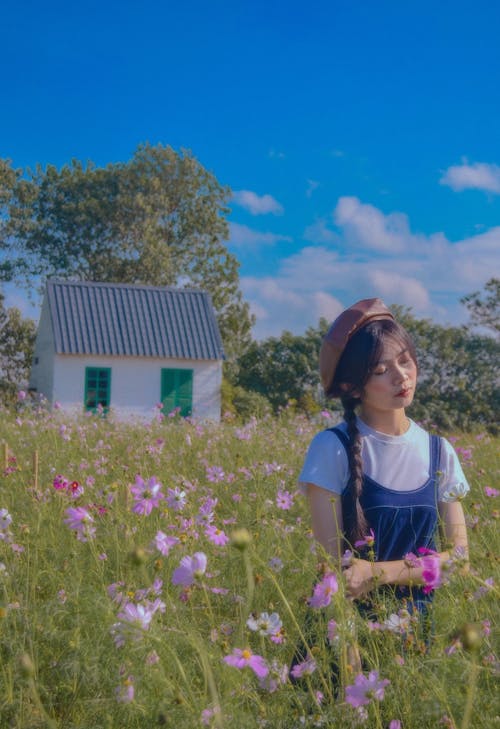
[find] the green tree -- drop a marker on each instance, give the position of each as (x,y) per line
(283,369)
(458,374)
(484,308)
(158,219)
(17,340)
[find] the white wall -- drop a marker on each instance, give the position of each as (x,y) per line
(136,384)
(42,369)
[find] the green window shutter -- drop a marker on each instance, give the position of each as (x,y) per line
(177,391)
(97,388)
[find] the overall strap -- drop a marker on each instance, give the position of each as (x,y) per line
(343,438)
(435,456)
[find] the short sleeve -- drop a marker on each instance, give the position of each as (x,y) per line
(325,464)
(452,482)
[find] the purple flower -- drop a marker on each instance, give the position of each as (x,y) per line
(304,669)
(80,520)
(137,615)
(284,500)
(190,569)
(146,495)
(366,688)
(5,520)
(176,499)
(323,591)
(277,676)
(243,658)
(215,474)
(331,631)
(216,536)
(491,492)
(125,692)
(164,543)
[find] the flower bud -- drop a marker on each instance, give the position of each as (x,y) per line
(471,636)
(138,556)
(241,539)
(26,666)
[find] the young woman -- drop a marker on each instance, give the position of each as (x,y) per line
(395,486)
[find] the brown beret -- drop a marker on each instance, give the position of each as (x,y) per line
(342,329)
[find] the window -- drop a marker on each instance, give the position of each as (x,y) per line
(97,388)
(177,391)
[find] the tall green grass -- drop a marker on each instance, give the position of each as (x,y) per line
(59,662)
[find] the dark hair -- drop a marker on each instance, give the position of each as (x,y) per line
(359,358)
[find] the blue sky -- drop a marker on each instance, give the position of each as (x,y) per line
(361,139)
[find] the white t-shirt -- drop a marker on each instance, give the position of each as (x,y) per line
(398,462)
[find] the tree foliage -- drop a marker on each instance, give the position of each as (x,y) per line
(458,374)
(158,219)
(484,308)
(17,341)
(283,369)
(457,382)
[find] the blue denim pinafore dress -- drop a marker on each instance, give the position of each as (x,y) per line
(402,521)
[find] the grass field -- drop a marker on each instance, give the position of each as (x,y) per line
(102,625)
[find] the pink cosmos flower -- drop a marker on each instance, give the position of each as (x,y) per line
(331,631)
(323,591)
(490,491)
(431,573)
(75,489)
(366,688)
(277,676)
(125,692)
(216,536)
(243,658)
(81,521)
(367,541)
(60,483)
(215,474)
(190,569)
(138,615)
(304,669)
(164,543)
(146,495)
(284,500)
(208,714)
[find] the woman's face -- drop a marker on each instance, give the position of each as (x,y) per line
(391,385)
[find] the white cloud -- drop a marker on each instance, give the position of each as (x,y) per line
(326,306)
(365,226)
(319,232)
(427,273)
(242,236)
(257,204)
(404,290)
(312,185)
(478,176)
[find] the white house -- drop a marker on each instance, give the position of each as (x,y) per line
(128,348)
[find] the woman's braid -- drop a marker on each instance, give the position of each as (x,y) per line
(360,528)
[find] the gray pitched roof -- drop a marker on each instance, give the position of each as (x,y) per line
(123,319)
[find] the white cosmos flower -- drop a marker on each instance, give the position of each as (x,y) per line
(265,624)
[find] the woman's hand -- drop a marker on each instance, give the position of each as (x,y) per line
(359,578)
